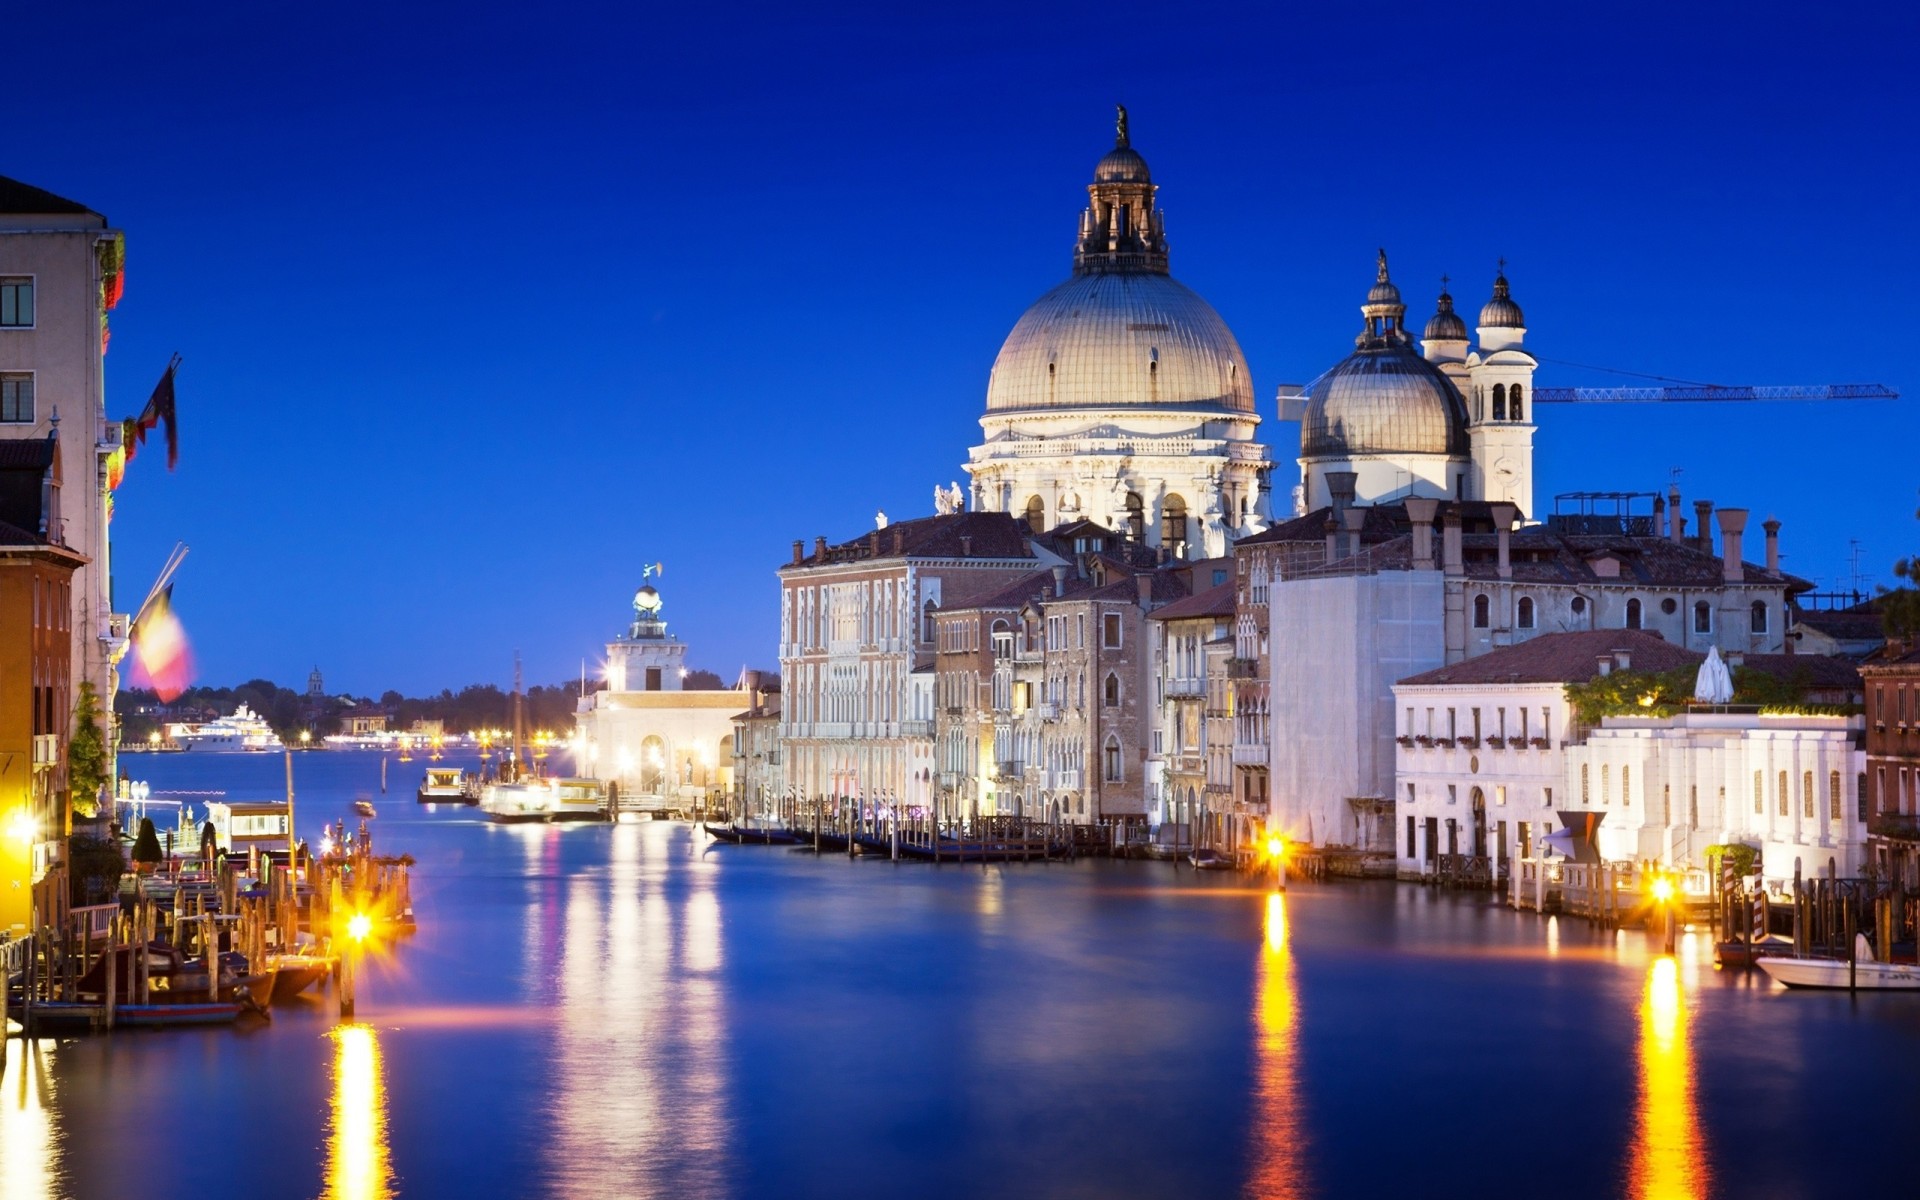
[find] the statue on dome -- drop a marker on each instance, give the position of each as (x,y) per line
(1120,126)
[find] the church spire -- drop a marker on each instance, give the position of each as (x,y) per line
(1120,230)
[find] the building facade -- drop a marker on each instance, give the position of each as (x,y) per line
(60,274)
(38,572)
(1892,764)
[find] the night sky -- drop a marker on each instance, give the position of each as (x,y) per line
(482,309)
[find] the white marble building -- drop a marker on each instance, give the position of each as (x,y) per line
(1120,396)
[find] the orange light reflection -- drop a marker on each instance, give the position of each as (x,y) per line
(1278,1154)
(1669,1153)
(359,1164)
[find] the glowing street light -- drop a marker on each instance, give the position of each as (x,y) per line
(359,926)
(21,827)
(1277,852)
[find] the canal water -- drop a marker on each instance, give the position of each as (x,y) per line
(633,1011)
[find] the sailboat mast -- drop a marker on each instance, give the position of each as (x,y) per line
(519,721)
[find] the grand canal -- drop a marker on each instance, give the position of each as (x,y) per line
(631,1011)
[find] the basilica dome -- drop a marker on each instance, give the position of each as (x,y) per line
(1383,400)
(1120,340)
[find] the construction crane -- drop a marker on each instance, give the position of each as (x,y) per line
(1711,393)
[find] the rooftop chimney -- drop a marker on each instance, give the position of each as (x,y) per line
(873,544)
(1674,519)
(1703,525)
(1503,515)
(1143,584)
(1659,516)
(1355,518)
(1733,523)
(799,554)
(1420,511)
(966,546)
(820,549)
(1340,488)
(899,541)
(1450,555)
(1333,538)
(1623,659)
(1772,526)
(1060,580)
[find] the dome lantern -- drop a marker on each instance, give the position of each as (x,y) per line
(1501,312)
(1446,325)
(1120,230)
(1385,314)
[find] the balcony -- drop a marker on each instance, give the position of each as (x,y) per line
(1249,754)
(1901,827)
(1243,668)
(1009,768)
(1186,687)
(46,750)
(916,729)
(1048,711)
(1063,781)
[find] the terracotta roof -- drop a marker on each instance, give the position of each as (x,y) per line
(1849,625)
(1821,671)
(1214,602)
(1009,595)
(1562,658)
(24,198)
(26,454)
(989,535)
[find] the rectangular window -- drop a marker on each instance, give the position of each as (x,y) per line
(1806,795)
(1586,791)
(1110,631)
(1833,795)
(1453,794)
(1780,794)
(1547,798)
(1759,792)
(16,398)
(1500,794)
(1666,804)
(1606,784)
(1626,786)
(16,302)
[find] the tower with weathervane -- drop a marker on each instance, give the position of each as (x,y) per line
(1500,428)
(646,659)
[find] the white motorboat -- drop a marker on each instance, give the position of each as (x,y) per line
(1867,974)
(529,800)
(242,733)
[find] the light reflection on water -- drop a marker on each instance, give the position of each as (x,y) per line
(359,1161)
(1277,1170)
(1669,1153)
(29,1153)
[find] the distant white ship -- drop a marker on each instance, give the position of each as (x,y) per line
(242,733)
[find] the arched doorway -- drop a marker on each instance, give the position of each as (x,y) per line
(1479,823)
(654,762)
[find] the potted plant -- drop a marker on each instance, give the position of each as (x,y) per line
(146,848)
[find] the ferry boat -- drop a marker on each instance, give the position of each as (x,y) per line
(443,785)
(242,733)
(527,800)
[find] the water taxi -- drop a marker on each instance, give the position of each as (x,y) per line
(579,800)
(443,785)
(528,800)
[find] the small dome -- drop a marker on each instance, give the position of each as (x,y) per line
(1120,340)
(1122,164)
(1383,292)
(1501,312)
(647,599)
(1446,325)
(1384,399)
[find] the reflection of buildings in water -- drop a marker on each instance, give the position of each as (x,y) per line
(1669,1152)
(1278,1156)
(639,1066)
(29,1152)
(359,1164)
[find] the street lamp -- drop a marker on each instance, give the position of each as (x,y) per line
(1277,851)
(1663,896)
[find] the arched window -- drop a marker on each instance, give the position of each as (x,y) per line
(1514,411)
(1036,514)
(1136,517)
(1482,609)
(1111,759)
(1578,605)
(1759,619)
(927,627)
(1499,401)
(1173,526)
(1525,613)
(1112,691)
(1633,614)
(1703,617)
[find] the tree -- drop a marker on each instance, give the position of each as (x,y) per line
(146,846)
(86,754)
(94,867)
(1900,606)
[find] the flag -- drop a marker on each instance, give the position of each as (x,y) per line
(159,410)
(160,646)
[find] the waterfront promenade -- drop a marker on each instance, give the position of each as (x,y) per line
(632,1011)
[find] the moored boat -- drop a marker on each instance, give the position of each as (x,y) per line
(442,785)
(1863,974)
(579,800)
(529,800)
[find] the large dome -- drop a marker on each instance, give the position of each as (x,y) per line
(1117,340)
(1384,399)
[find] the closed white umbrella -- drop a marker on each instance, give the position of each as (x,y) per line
(1714,683)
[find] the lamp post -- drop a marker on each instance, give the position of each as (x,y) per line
(1663,896)
(1277,851)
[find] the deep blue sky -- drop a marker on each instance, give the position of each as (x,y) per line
(483,308)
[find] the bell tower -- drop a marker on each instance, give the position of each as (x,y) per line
(1500,404)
